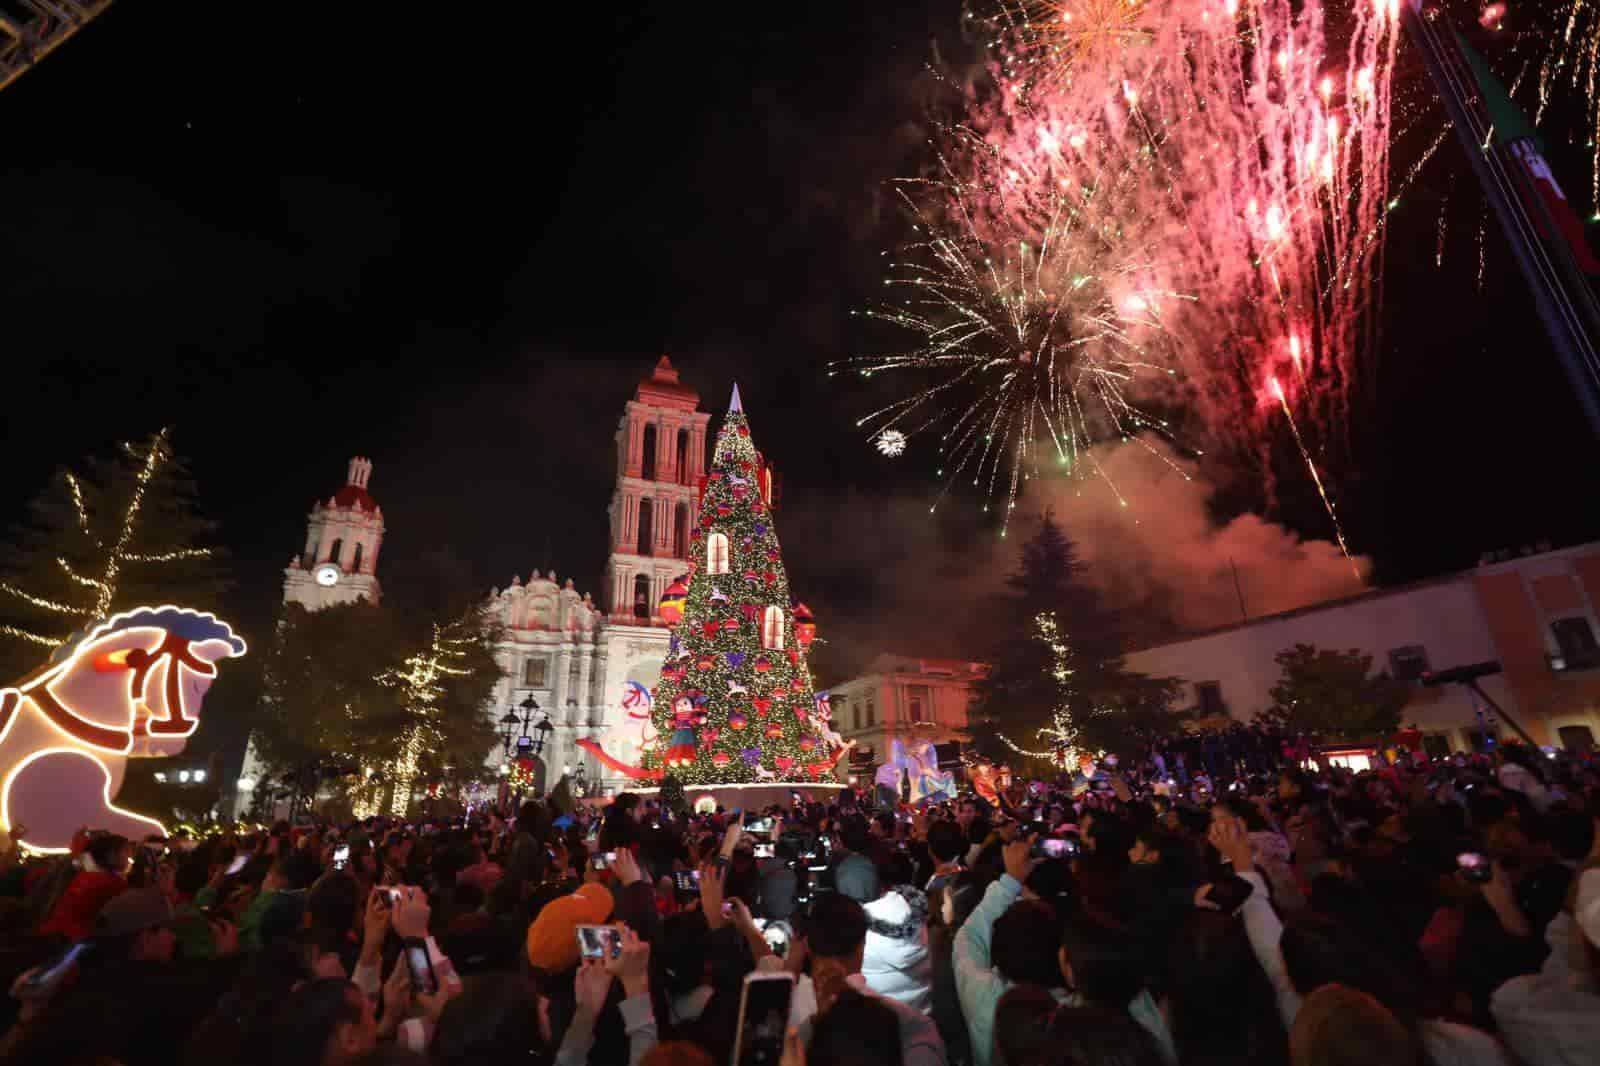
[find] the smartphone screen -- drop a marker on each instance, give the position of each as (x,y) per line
(765,851)
(599,941)
(1475,867)
(341,856)
(763,1019)
(687,881)
(421,967)
(237,864)
(603,860)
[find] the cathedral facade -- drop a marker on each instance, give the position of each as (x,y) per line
(592,666)
(589,666)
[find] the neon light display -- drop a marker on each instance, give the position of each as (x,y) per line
(132,688)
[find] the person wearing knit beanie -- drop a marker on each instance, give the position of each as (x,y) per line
(553,938)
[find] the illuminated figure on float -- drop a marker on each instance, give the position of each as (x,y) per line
(132,688)
(921,766)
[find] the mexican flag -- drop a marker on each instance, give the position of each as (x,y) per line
(1513,141)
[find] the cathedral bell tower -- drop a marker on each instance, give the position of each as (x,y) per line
(343,535)
(661,459)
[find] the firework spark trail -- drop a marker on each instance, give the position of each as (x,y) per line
(1316,478)
(1159,205)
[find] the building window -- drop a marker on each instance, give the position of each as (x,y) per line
(872,712)
(647,521)
(355,560)
(917,703)
(717,553)
(683,457)
(680,531)
(1208,698)
(1408,663)
(333,552)
(536,672)
(642,607)
(1576,640)
(772,627)
(647,469)
(1436,745)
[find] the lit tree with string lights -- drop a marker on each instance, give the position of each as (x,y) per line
(121,531)
(421,681)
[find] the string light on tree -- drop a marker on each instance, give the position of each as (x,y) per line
(92,543)
(421,683)
(1062,732)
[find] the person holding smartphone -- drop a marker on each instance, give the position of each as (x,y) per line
(629,965)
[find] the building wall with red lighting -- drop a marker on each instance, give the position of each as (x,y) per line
(1535,614)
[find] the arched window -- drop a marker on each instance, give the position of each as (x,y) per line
(717,553)
(647,523)
(647,468)
(680,531)
(772,627)
(333,552)
(355,560)
(642,607)
(683,457)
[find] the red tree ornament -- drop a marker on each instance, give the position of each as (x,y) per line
(805,627)
(774,729)
(737,720)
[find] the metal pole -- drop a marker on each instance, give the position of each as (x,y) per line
(1566,335)
(1510,721)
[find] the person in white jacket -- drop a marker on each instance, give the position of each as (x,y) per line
(1552,1018)
(896,963)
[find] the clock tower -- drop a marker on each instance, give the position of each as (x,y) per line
(343,535)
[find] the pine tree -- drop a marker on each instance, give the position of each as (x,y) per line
(1045,693)
(735,703)
(125,532)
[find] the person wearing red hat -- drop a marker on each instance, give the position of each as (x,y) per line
(105,861)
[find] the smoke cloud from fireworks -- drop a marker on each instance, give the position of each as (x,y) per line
(914,584)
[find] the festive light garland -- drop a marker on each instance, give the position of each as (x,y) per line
(152,461)
(1062,732)
(421,682)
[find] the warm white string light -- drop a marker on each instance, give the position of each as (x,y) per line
(152,460)
(421,682)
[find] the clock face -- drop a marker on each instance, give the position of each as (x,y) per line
(327,575)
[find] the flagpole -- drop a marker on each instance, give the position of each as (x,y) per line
(1561,306)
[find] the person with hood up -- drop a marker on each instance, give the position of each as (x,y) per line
(896,963)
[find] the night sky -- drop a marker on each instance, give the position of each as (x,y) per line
(454,245)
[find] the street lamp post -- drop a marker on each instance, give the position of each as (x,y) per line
(514,732)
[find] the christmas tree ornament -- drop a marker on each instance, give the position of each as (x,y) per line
(720,759)
(671,605)
(784,763)
(807,742)
(772,555)
(751,756)
(762,706)
(712,628)
(770,578)
(797,685)
(763,664)
(737,720)
(723,510)
(730,624)
(751,612)
(705,662)
(774,730)
(717,595)
(805,627)
(761,529)
(735,660)
(794,656)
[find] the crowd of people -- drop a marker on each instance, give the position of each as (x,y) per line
(1246,909)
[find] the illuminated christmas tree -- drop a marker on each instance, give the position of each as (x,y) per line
(735,703)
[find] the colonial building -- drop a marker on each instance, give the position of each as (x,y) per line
(906,699)
(586,665)
(340,562)
(1534,614)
